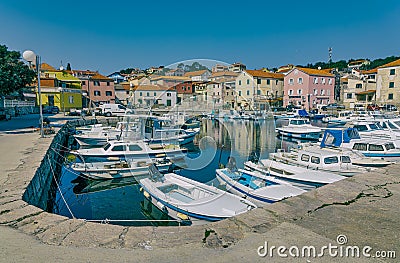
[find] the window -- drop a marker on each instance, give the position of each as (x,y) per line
(240,82)
(331,160)
(328,92)
(299,91)
(392,71)
(345,159)
(97,93)
(248,92)
(134,148)
(305,157)
(300,80)
(258,81)
(169,103)
(315,92)
(358,86)
(290,92)
(389,146)
(71,99)
(315,80)
(360,146)
(248,82)
(108,93)
(155,94)
(168,94)
(391,84)
(322,92)
(291,81)
(330,81)
(118,148)
(349,95)
(108,83)
(127,92)
(375,148)
(258,92)
(315,159)
(276,82)
(390,96)
(240,92)
(96,83)
(227,94)
(83,82)
(322,80)
(140,94)
(148,94)
(268,82)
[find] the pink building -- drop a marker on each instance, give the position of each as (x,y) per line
(308,87)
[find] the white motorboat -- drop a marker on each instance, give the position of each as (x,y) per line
(191,202)
(300,129)
(129,150)
(119,169)
(303,178)
(255,186)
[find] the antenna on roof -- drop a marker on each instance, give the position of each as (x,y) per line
(330,55)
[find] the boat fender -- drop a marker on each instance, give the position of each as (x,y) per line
(182,216)
(146,194)
(141,189)
(161,206)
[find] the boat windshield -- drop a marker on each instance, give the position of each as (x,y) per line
(397,123)
(345,159)
(389,146)
(374,127)
(298,122)
(376,147)
(361,127)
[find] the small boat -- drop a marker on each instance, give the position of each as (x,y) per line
(189,201)
(126,150)
(300,129)
(254,186)
(349,138)
(111,170)
(303,178)
(88,186)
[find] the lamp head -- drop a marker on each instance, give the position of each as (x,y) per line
(29,56)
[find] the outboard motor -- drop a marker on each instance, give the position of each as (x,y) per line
(231,165)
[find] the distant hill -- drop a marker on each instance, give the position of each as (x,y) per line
(342,64)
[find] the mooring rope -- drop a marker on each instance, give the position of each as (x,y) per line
(59,189)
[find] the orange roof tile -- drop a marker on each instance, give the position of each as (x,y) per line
(315,72)
(195,73)
(371,71)
(45,66)
(224,73)
(395,63)
(263,74)
(98,76)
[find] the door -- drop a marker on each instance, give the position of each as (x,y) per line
(50,99)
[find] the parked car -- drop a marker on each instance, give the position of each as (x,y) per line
(333,106)
(113,109)
(388,107)
(373,107)
(359,107)
(51,109)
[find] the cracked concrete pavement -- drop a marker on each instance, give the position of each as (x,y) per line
(364,208)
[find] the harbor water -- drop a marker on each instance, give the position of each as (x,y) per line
(119,201)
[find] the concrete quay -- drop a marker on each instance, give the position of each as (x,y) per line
(364,208)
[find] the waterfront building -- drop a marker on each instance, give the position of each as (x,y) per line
(237,67)
(154,96)
(199,75)
(223,88)
(308,87)
(117,77)
(219,68)
(167,81)
(388,83)
(59,88)
(256,88)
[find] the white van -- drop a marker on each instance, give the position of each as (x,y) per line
(113,110)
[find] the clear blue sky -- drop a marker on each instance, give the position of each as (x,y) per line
(112,35)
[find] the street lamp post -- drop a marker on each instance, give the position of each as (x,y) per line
(31,57)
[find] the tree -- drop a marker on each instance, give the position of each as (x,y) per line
(14,74)
(69,67)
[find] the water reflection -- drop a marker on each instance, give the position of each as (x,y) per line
(121,199)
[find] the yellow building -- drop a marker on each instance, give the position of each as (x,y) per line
(59,88)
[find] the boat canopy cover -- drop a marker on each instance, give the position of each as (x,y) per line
(303,113)
(335,137)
